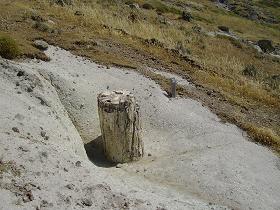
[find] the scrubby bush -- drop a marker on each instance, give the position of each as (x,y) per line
(8,47)
(186,16)
(42,26)
(274,81)
(250,70)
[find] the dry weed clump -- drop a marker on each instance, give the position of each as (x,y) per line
(9,48)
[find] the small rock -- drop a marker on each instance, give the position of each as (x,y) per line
(149,154)
(51,22)
(29,89)
(86,202)
(134,6)
(78,164)
(20,73)
(23,149)
(119,165)
(41,45)
(70,186)
(79,13)
(266,45)
(28,197)
(42,102)
(44,154)
(43,133)
(15,129)
(126,204)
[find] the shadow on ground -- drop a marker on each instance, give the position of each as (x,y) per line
(94,150)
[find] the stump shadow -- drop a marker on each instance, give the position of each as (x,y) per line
(94,150)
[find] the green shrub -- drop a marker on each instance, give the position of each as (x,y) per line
(8,47)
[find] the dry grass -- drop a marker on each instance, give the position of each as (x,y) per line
(263,135)
(239,91)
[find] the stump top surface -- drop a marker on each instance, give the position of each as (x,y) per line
(115,97)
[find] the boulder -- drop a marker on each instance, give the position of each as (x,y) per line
(41,45)
(224,29)
(266,45)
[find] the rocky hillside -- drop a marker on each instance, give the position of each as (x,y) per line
(253,10)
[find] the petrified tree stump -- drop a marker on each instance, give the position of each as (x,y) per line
(120,126)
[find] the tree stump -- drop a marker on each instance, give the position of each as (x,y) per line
(120,126)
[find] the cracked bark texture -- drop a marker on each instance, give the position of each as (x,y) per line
(120,126)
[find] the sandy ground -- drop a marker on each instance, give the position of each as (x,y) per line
(192,161)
